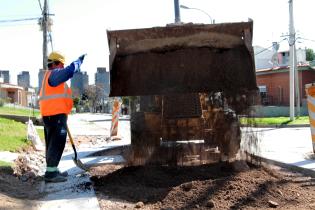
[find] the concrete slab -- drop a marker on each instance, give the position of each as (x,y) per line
(8,156)
(76,193)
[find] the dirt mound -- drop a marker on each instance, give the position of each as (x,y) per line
(214,186)
(21,185)
(30,165)
(16,193)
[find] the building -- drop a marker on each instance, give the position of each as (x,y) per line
(263,57)
(273,84)
(102,80)
(41,74)
(5,74)
(79,83)
(13,94)
(23,79)
(272,74)
(284,57)
(276,57)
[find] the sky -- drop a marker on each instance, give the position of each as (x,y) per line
(80,26)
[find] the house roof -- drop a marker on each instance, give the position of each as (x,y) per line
(279,69)
(7,86)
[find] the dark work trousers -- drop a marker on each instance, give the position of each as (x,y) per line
(55,130)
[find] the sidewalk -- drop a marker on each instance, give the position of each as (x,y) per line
(77,192)
(289,147)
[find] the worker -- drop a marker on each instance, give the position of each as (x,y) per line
(56,103)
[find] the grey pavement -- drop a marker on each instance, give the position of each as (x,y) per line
(8,156)
(291,146)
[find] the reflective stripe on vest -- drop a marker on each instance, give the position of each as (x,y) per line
(53,96)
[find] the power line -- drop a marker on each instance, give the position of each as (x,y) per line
(268,48)
(17,25)
(311,40)
(18,20)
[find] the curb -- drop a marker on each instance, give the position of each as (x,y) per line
(22,119)
(277,126)
(293,168)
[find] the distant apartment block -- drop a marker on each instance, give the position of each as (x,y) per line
(102,80)
(5,75)
(23,79)
(41,74)
(79,83)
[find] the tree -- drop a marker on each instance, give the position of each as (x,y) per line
(76,103)
(94,94)
(91,96)
(310,55)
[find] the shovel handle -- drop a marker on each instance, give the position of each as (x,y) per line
(72,143)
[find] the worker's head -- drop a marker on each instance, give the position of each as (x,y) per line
(56,60)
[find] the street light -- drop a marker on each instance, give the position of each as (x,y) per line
(185,7)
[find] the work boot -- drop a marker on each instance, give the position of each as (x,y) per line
(64,174)
(55,176)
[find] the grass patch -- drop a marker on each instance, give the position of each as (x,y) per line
(275,120)
(19,111)
(5,164)
(13,135)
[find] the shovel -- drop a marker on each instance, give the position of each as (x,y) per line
(76,161)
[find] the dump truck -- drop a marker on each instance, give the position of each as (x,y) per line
(187,85)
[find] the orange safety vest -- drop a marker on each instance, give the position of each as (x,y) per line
(54,100)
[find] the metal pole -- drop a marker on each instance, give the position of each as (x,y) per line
(177,12)
(297,85)
(291,43)
(44,24)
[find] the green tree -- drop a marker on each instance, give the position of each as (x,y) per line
(310,55)
(125,100)
(76,102)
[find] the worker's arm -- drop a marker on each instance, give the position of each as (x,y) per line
(59,76)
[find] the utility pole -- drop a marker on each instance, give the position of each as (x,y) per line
(292,63)
(44,27)
(177,11)
(297,86)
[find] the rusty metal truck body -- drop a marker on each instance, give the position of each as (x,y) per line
(187,85)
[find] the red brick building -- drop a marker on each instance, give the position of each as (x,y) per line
(274,86)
